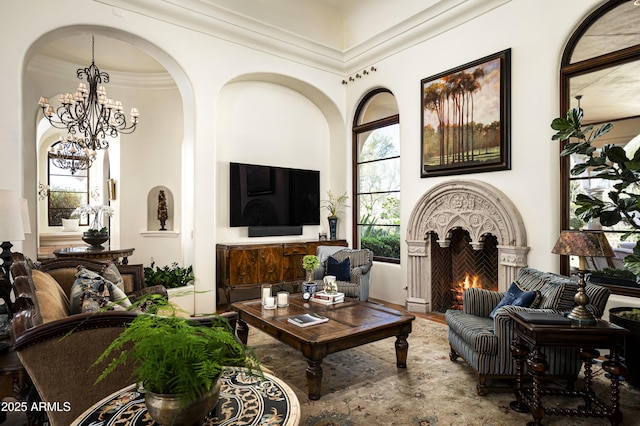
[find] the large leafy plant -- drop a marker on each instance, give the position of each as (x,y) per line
(170,276)
(177,355)
(619,165)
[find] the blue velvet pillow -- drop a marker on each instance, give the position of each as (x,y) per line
(516,297)
(341,270)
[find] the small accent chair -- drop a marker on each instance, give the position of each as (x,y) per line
(360,260)
(484,343)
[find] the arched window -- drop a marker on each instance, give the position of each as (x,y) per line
(599,71)
(67,190)
(376,176)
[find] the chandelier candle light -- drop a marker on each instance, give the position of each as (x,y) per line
(88,115)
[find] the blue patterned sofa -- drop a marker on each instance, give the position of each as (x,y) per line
(484,343)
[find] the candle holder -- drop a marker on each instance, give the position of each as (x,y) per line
(265,292)
(282,299)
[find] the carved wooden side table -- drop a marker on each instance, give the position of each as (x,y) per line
(587,339)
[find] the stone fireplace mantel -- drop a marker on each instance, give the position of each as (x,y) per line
(478,208)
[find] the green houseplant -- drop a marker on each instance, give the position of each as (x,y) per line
(310,263)
(334,204)
(178,360)
(620,166)
(170,276)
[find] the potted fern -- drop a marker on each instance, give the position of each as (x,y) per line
(178,361)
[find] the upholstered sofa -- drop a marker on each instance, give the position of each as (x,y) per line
(57,350)
(484,342)
(359,269)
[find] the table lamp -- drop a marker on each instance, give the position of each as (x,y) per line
(10,225)
(582,244)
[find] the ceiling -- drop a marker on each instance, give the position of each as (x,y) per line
(606,95)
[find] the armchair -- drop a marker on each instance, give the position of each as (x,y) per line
(484,343)
(360,260)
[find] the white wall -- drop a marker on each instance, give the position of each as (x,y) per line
(214,98)
(532,182)
(268,124)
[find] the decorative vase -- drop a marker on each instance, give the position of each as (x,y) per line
(333,226)
(172,410)
(95,240)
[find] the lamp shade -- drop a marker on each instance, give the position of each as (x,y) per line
(10,216)
(24,210)
(583,243)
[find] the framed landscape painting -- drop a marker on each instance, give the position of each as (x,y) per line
(466,118)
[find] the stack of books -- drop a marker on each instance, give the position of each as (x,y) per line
(327,298)
(305,320)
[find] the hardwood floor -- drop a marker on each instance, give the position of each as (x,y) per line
(432,316)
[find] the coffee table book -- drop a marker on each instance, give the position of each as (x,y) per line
(327,298)
(305,320)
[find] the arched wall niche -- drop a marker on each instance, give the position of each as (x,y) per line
(153,208)
(184,87)
(325,150)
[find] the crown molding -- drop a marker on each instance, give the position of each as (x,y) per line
(215,21)
(48,66)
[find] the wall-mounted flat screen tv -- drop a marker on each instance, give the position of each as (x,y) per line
(273,196)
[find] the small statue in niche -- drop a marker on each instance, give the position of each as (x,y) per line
(163,213)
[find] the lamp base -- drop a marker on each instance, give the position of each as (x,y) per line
(581,316)
(6,256)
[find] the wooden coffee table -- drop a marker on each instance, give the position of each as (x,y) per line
(351,323)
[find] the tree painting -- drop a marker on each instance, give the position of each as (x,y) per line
(465,118)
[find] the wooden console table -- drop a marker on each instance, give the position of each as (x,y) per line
(243,266)
(88,252)
(588,339)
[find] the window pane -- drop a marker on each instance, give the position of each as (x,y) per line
(383,241)
(379,176)
(379,209)
(611,32)
(379,143)
(66,192)
(380,106)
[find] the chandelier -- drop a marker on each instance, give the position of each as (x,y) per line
(88,115)
(69,154)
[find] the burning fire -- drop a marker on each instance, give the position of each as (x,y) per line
(468,282)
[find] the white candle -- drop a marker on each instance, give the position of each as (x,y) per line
(270,302)
(266,292)
(283,298)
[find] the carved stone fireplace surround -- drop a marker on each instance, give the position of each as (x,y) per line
(478,208)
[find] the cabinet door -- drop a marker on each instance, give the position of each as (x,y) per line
(270,265)
(293,254)
(243,266)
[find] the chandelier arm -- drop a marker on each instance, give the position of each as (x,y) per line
(89,117)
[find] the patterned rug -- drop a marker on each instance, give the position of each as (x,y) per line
(362,386)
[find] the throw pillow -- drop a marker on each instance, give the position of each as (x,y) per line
(517,297)
(341,270)
(53,303)
(94,299)
(89,280)
(111,273)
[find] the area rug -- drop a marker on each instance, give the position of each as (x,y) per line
(362,386)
